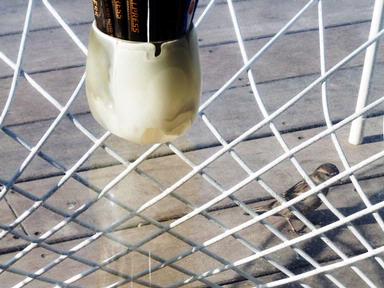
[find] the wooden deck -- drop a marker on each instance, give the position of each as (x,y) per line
(54,61)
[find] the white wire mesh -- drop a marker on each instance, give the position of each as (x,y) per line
(101,267)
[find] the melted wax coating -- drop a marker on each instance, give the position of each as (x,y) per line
(140,96)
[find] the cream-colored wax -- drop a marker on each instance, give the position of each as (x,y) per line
(139,96)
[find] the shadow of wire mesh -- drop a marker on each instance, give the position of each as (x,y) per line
(278,101)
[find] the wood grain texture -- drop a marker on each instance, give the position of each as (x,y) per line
(167,246)
(75,12)
(299,60)
(135,190)
(232,114)
(369,267)
(42,54)
(9,241)
(257,18)
(288,67)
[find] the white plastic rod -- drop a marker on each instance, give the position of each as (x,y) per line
(357,127)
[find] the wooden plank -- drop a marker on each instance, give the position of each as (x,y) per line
(291,56)
(46,49)
(74,12)
(13,14)
(167,246)
(257,17)
(232,114)
(40,257)
(6,218)
(135,190)
(42,54)
(30,106)
(300,58)
(348,278)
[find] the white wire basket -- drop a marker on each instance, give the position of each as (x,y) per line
(281,82)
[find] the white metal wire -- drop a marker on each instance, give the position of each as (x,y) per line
(357,126)
(225,146)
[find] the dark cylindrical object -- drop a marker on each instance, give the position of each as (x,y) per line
(170,19)
(166,19)
(107,12)
(98,12)
(145,20)
(103,15)
(120,24)
(137,11)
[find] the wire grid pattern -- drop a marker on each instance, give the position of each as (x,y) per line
(34,151)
